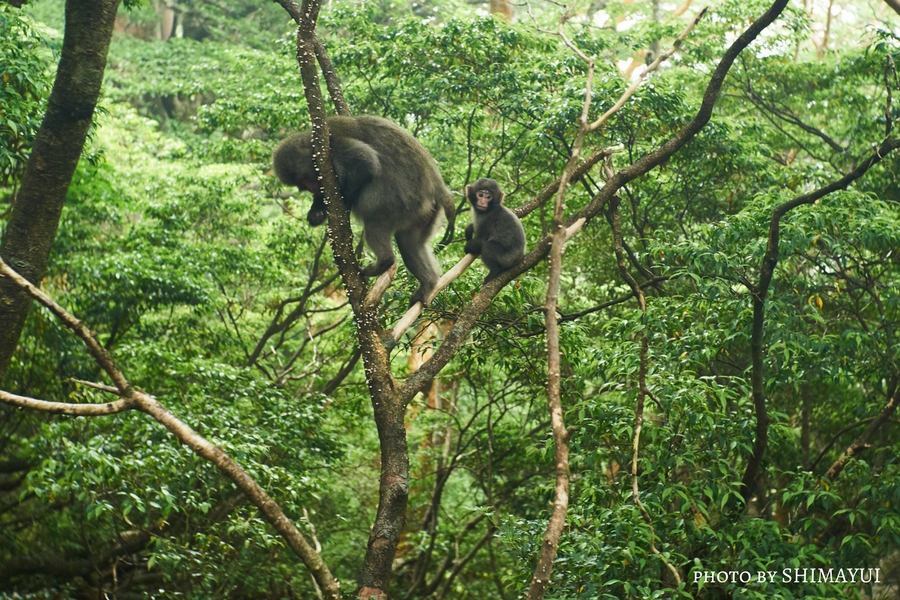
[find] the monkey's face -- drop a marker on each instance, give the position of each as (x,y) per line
(482,200)
(484,195)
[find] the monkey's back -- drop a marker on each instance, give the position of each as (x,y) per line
(503,238)
(410,190)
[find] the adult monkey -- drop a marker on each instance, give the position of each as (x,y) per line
(495,233)
(388,180)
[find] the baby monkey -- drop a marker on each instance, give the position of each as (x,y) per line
(495,231)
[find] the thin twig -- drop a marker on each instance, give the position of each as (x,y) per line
(643,389)
(96,386)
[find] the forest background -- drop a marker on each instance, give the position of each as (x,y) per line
(719,358)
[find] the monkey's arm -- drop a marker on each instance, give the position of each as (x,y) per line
(355,165)
(317,215)
(473,244)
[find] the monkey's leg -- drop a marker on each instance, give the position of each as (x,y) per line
(493,272)
(417,257)
(490,277)
(497,258)
(378,237)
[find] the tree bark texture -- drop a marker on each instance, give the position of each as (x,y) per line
(389,407)
(35,214)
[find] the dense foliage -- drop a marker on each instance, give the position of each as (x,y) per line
(200,274)
(26,56)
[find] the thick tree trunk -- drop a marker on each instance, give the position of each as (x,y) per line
(35,215)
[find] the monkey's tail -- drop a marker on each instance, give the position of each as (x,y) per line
(450,213)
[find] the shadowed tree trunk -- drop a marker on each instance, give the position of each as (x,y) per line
(35,214)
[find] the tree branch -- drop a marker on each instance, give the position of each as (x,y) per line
(132,398)
(389,410)
(331,79)
(766,272)
(863,440)
(467,318)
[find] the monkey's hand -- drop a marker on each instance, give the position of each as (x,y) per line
(316,217)
(473,248)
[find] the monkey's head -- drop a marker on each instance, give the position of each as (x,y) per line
(293,162)
(484,194)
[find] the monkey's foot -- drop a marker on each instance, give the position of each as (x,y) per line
(377,268)
(491,276)
(420,295)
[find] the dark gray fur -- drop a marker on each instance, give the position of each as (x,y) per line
(387,179)
(495,232)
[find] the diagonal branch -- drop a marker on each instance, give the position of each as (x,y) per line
(331,79)
(134,399)
(862,441)
(650,68)
(68,408)
(786,115)
(94,347)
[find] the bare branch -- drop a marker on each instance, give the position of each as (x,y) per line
(577,174)
(462,562)
(97,351)
(380,286)
(836,437)
(540,580)
(788,117)
(68,408)
(550,543)
(96,386)
(331,79)
(416,309)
